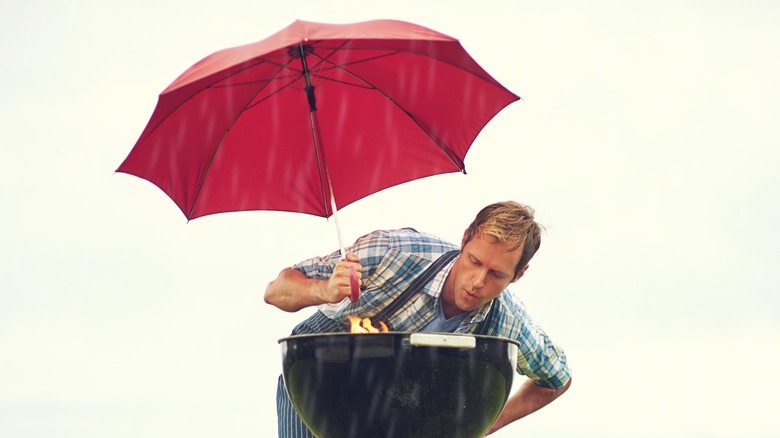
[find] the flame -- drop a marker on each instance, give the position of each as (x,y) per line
(363,325)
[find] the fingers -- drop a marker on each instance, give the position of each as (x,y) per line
(352,257)
(340,285)
(351,260)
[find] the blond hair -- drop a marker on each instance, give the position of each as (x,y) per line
(509,223)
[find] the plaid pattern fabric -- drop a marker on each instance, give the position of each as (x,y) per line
(391,259)
(319,323)
(538,358)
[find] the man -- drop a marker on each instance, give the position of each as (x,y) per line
(467,295)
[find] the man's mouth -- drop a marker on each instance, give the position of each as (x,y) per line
(471,295)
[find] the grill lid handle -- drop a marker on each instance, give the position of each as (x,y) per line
(442,340)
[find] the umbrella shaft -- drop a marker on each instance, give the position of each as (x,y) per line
(328,197)
(309,88)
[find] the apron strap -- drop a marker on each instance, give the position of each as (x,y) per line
(416,285)
(483,327)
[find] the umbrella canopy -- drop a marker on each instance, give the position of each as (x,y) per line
(315,115)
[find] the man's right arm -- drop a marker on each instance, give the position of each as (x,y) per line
(292,291)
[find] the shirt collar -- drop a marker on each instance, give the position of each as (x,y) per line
(436,285)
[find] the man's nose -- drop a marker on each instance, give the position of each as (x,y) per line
(479,279)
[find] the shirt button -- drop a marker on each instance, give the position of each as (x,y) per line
(427,315)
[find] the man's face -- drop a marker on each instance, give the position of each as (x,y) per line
(483,269)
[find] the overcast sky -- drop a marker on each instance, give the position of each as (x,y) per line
(647,141)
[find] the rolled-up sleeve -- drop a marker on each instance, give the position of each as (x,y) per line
(538,357)
(318,268)
(542,360)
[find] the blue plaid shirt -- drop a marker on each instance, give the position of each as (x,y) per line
(391,259)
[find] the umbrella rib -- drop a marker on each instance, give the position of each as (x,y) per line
(270,95)
(395,52)
(222,140)
(295,76)
(282,88)
(445,150)
(236,84)
(211,85)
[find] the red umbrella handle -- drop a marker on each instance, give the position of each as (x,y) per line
(353,282)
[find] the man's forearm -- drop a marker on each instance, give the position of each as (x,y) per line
(529,398)
(292,291)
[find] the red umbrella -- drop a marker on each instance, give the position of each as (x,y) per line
(314,118)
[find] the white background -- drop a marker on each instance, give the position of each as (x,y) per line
(647,140)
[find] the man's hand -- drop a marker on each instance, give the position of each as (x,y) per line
(339,285)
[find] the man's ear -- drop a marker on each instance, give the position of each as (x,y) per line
(520,274)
